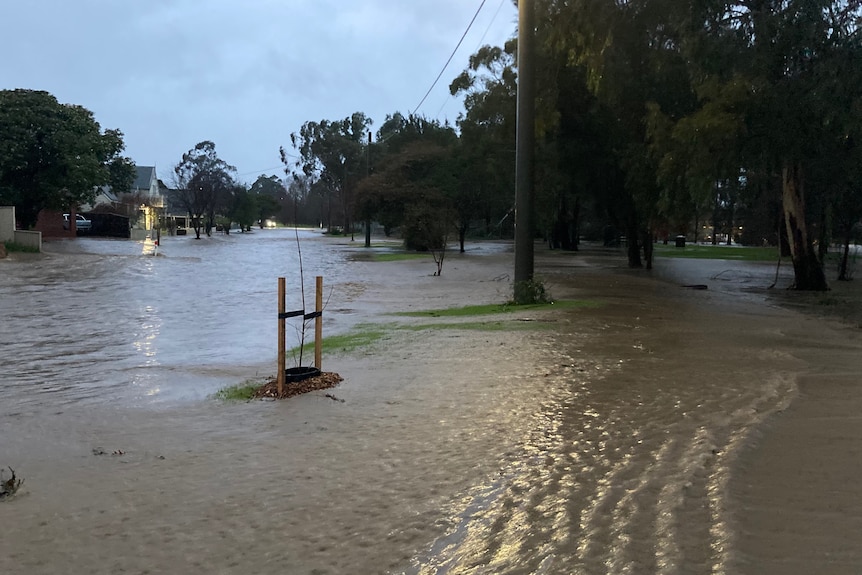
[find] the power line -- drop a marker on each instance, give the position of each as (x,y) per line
(282,166)
(491,23)
(470,25)
(261,171)
(478,45)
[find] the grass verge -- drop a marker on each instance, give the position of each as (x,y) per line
(397,257)
(738,253)
(498,308)
(500,325)
(363,335)
(239,392)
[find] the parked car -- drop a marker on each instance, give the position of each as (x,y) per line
(81,223)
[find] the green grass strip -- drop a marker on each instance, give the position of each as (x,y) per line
(362,335)
(399,256)
(507,325)
(738,253)
(498,308)
(239,392)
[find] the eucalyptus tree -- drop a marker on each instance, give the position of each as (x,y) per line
(55,155)
(630,60)
(333,154)
(416,180)
(269,196)
(413,156)
(747,94)
(204,185)
(268,186)
(398,131)
(244,208)
(487,131)
(777,85)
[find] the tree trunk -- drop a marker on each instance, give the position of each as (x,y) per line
(648,248)
(824,234)
(696,225)
(715,207)
(843,269)
(807,268)
(633,249)
(576,225)
(845,259)
(731,214)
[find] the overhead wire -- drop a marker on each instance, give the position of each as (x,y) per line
(442,70)
(478,45)
(446,65)
(260,171)
(268,169)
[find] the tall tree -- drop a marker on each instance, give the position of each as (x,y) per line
(269,186)
(780,68)
(270,197)
(333,154)
(54,155)
(244,208)
(489,88)
(631,61)
(412,154)
(204,184)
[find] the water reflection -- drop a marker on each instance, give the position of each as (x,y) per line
(110,318)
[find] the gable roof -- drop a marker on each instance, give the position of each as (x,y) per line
(144,176)
(107,193)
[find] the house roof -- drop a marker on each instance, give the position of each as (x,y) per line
(144,176)
(108,193)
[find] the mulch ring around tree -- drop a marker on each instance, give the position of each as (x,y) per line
(325,380)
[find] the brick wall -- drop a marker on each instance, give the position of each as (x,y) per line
(50,223)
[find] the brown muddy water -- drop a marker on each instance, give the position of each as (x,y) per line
(603,439)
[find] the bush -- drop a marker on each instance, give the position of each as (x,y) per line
(13,247)
(531,292)
(425,227)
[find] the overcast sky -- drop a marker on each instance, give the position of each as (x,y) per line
(242,73)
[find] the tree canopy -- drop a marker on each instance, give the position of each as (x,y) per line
(333,155)
(205,185)
(702,105)
(53,155)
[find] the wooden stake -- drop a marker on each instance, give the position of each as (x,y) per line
(318,323)
(281,338)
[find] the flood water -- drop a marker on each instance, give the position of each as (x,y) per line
(108,320)
(604,444)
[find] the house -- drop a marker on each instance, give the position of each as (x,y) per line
(146,182)
(175,218)
(105,200)
(132,213)
(145,193)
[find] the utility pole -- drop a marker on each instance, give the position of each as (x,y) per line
(524,152)
(368,173)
